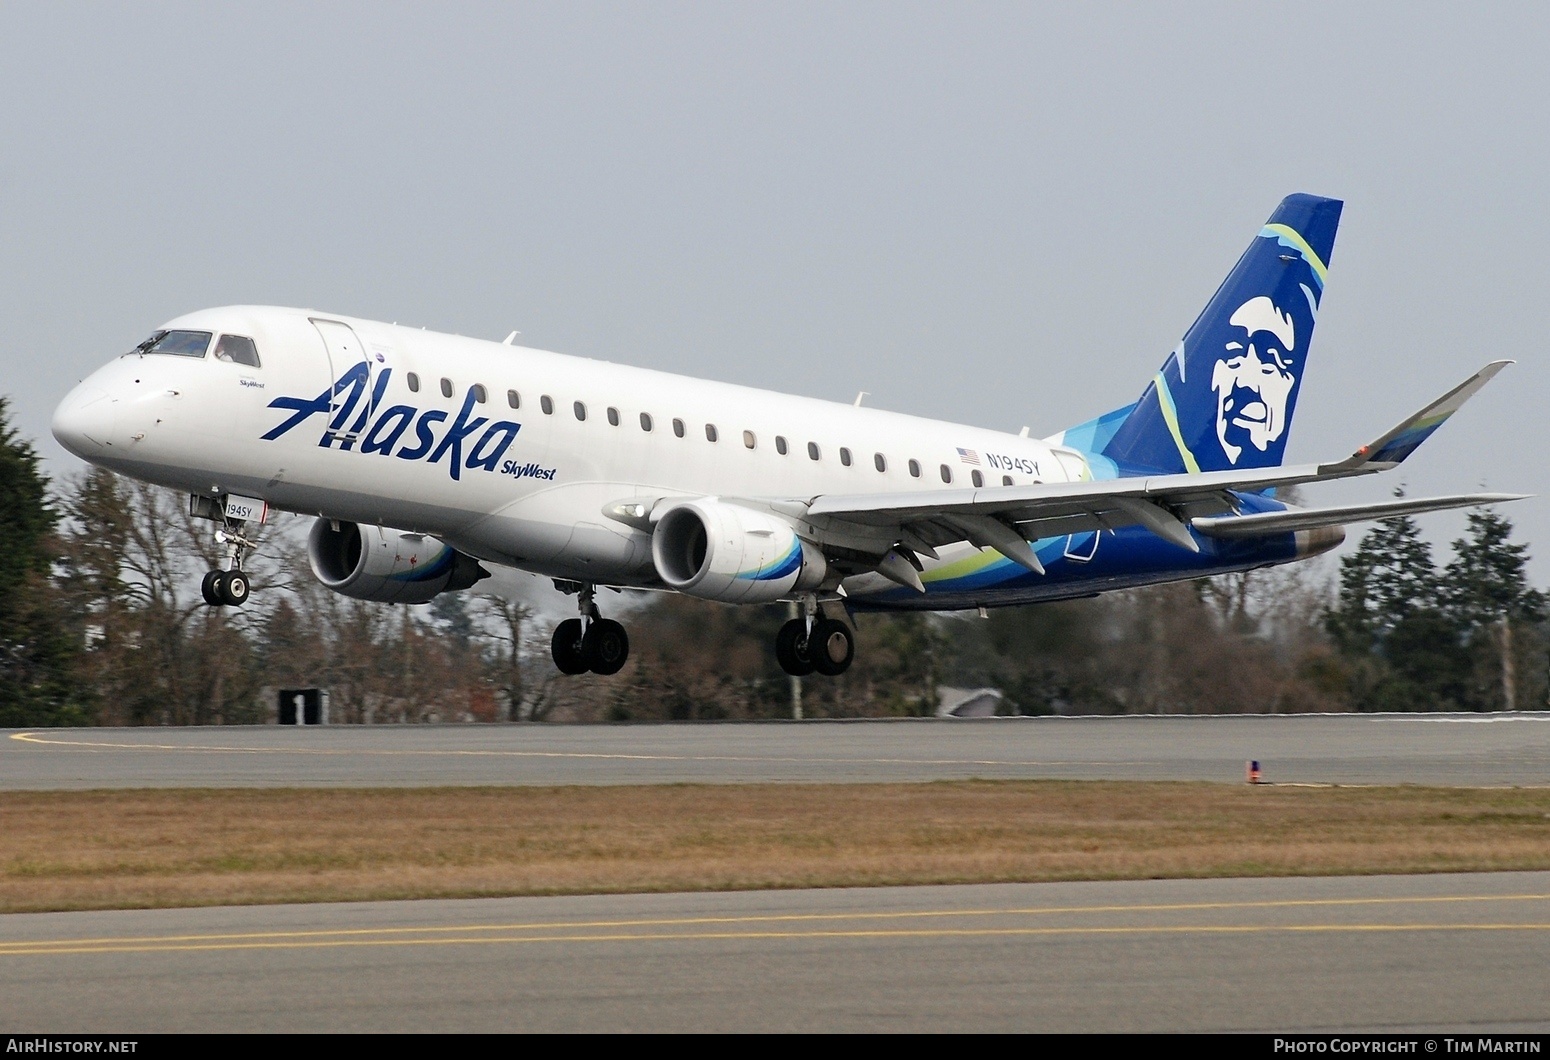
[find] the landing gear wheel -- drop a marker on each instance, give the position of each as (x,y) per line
(831,647)
(233,588)
(210,589)
(606,646)
(566,648)
(791,648)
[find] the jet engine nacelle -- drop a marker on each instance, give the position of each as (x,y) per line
(726,552)
(391,566)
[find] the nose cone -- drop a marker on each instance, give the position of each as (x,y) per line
(83,422)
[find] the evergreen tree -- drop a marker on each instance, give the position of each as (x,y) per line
(1487,579)
(450,613)
(38,648)
(26,518)
(1392,616)
(1389,577)
(1489,599)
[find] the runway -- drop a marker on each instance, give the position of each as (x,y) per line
(1443,954)
(1437,749)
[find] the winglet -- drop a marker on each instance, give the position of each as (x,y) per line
(1391,448)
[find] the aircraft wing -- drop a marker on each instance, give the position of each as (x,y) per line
(1006,518)
(1260,523)
(1047,509)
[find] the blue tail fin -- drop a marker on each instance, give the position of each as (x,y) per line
(1225,397)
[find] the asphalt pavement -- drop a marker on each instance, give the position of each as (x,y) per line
(1440,749)
(1432,955)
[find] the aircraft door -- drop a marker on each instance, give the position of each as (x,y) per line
(350,367)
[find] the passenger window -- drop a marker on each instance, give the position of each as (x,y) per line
(613,416)
(182,343)
(237,350)
(812,450)
(547,404)
(1006,480)
(513,399)
(914,469)
(879,461)
(748,439)
(780,445)
(710,432)
(844,456)
(480,394)
(446,387)
(414,382)
(580,410)
(678,427)
(947,473)
(977,478)
(645,422)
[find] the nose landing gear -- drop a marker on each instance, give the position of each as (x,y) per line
(590,642)
(229,587)
(225,588)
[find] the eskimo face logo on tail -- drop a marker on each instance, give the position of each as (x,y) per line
(1254,378)
(469,442)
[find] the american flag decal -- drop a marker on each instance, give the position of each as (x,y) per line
(969,456)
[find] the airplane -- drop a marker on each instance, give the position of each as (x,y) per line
(425,456)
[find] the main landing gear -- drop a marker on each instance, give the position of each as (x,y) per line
(229,587)
(589,642)
(815,643)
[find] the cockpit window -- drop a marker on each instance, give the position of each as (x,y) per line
(237,350)
(178,343)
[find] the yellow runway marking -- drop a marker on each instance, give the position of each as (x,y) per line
(54,949)
(97,745)
(398,935)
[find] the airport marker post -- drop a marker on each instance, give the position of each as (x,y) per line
(796,682)
(302,706)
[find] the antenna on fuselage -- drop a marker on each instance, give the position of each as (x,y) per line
(859,396)
(507,340)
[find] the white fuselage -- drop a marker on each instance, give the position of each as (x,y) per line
(528,486)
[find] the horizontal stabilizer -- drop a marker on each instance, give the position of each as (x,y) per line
(1260,524)
(1404,439)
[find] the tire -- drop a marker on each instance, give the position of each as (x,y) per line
(606,646)
(831,647)
(234,588)
(791,648)
(210,589)
(566,647)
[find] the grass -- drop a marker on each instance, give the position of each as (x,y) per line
(155,848)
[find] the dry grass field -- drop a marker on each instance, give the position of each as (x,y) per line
(120,849)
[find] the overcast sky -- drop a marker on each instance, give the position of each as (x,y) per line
(1002,214)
